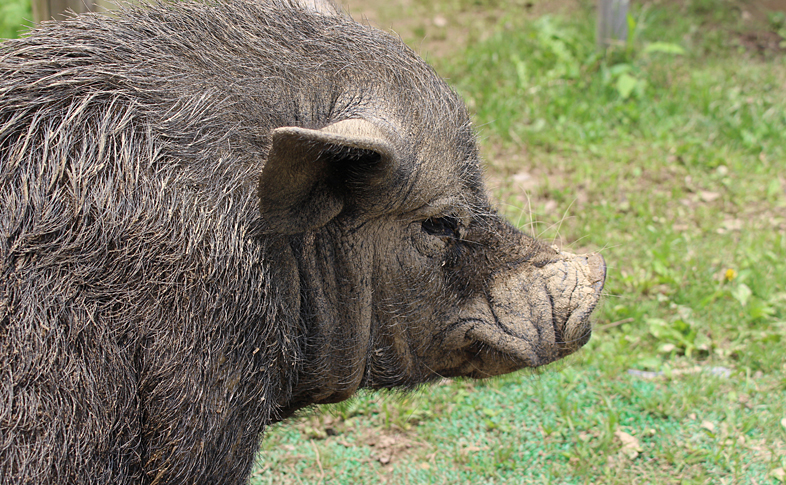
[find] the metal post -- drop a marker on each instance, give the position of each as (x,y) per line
(612,22)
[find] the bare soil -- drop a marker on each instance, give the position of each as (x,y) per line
(437,30)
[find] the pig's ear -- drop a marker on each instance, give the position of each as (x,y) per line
(310,174)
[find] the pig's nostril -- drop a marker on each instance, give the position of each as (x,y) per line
(597,266)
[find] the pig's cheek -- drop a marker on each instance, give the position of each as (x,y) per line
(427,245)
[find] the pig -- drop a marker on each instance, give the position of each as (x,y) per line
(216,214)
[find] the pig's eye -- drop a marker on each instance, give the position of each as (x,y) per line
(441,226)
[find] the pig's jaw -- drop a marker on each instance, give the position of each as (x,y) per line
(530,317)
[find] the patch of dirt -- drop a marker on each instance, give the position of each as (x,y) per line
(754,31)
(759,9)
(752,10)
(762,42)
(390,446)
(439,29)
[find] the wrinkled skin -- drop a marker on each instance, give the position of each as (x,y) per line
(498,300)
(213,216)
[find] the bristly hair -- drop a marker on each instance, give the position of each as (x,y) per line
(128,145)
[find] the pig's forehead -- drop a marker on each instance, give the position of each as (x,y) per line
(437,174)
(441,161)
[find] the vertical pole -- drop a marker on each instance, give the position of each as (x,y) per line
(54,9)
(612,22)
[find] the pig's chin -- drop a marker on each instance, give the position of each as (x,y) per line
(529,318)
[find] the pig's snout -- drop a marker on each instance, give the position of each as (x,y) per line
(574,287)
(535,315)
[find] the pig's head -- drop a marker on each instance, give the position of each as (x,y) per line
(405,271)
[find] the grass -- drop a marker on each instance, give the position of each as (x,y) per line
(14,17)
(668,154)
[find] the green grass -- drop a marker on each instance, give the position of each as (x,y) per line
(15,16)
(668,154)
(558,427)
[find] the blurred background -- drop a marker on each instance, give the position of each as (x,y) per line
(666,151)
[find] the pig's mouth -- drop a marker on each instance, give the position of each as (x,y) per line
(530,317)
